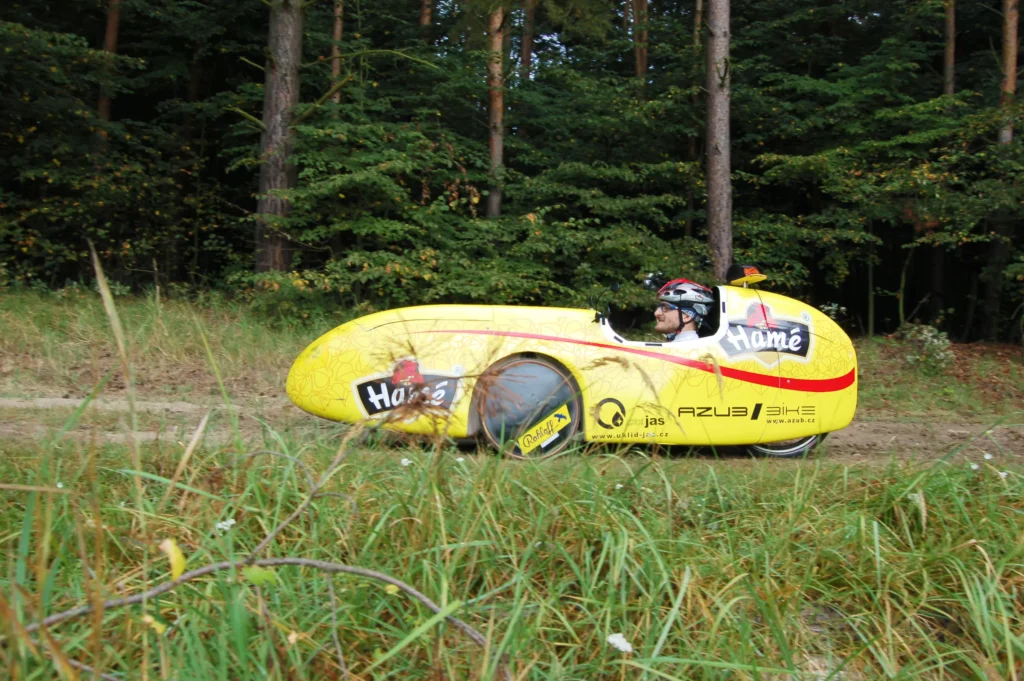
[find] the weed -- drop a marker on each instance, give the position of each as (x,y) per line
(928,349)
(704,570)
(982,383)
(287,557)
(54,345)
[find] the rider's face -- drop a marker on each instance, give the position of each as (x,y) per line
(667,319)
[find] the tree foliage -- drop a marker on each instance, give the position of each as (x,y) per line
(846,154)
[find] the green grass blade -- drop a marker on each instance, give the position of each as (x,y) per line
(416,633)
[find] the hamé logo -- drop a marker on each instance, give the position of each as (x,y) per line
(767,338)
(405,385)
(407,372)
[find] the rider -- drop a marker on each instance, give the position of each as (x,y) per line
(683,306)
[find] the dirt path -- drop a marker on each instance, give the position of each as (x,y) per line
(120,405)
(865,439)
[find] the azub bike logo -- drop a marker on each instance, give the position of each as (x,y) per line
(610,413)
(761,332)
(406,385)
(719,412)
(753,412)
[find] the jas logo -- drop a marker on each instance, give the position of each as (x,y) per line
(609,413)
(406,385)
(760,332)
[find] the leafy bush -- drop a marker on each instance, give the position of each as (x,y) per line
(927,348)
(833,310)
(286,298)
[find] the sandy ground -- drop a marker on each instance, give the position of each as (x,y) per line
(866,439)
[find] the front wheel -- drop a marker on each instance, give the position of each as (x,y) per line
(529,408)
(787,449)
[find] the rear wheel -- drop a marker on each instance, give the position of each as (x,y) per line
(529,407)
(787,449)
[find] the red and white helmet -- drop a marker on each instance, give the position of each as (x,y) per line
(688,296)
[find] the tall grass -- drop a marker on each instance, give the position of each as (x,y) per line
(712,570)
(56,344)
(709,569)
(983,381)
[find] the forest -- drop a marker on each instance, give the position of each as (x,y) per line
(193,191)
(332,157)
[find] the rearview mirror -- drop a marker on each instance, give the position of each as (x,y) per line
(741,275)
(655,280)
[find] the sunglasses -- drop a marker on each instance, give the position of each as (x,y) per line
(665,307)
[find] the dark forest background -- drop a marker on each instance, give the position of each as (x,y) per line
(865,173)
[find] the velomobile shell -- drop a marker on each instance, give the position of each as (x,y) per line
(775,369)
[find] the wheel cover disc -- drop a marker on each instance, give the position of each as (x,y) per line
(529,409)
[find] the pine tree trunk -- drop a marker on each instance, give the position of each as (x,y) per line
(426,17)
(337,242)
(339,29)
(691,147)
(1011,16)
(719,183)
(192,94)
(698,25)
(109,45)
(871,291)
(281,94)
(640,37)
(496,108)
(526,56)
(949,63)
(999,249)
(506,44)
(937,303)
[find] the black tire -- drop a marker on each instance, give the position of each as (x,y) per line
(527,394)
(787,449)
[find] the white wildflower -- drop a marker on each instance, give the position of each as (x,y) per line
(619,642)
(987,456)
(833,310)
(619,485)
(1003,474)
(914,497)
(460,459)
(225,525)
(975,466)
(60,485)
(406,462)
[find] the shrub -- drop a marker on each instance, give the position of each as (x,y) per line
(928,349)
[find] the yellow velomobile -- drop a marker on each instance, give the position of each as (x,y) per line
(768,372)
